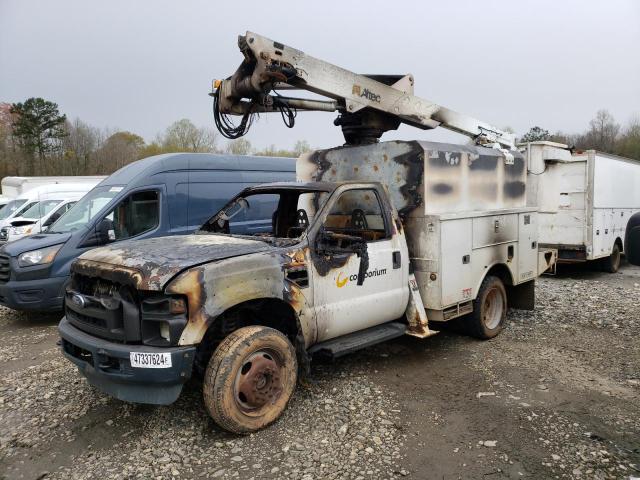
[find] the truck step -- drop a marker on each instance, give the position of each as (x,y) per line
(337,347)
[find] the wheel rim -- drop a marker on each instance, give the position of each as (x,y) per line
(493,307)
(259,382)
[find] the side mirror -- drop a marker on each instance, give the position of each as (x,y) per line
(339,243)
(632,240)
(105,231)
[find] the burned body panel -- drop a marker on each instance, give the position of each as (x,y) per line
(216,287)
(149,264)
(426,178)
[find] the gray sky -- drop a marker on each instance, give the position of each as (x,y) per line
(140,65)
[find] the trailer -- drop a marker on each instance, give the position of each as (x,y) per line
(15,186)
(585,200)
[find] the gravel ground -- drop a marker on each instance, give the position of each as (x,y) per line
(557,395)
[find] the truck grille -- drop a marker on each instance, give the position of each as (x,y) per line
(4,234)
(5,269)
(104,309)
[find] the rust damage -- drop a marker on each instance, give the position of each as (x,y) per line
(114,273)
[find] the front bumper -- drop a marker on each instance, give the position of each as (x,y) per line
(43,294)
(106,366)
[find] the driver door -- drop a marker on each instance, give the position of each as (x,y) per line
(341,305)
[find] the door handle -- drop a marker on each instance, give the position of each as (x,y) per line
(396,259)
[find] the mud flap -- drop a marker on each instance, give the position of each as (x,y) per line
(523,296)
(415,313)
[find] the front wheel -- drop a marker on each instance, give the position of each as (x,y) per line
(489,310)
(250,379)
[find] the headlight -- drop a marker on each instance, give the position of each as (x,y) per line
(38,257)
(21,230)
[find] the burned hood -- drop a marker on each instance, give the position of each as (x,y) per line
(149,264)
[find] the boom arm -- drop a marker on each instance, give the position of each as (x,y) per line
(368,105)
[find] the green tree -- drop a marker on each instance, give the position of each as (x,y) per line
(39,127)
(536,134)
(184,136)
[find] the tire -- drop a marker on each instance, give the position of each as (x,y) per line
(489,310)
(250,379)
(611,263)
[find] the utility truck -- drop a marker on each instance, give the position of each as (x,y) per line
(585,200)
(375,240)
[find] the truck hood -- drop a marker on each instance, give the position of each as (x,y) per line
(149,264)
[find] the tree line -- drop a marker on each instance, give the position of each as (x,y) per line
(37,139)
(604,134)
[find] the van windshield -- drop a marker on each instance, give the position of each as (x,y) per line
(10,208)
(84,211)
(40,209)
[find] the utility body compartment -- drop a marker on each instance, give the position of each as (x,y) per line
(585,199)
(463,210)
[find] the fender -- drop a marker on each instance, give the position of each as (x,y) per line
(214,288)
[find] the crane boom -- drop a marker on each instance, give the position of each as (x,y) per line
(368,105)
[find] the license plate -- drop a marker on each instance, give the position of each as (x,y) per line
(150,360)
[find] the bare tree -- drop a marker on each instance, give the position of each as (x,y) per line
(79,145)
(240,146)
(301,146)
(603,132)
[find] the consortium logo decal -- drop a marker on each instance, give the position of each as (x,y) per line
(342,279)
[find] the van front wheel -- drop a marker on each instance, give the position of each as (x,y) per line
(489,310)
(250,379)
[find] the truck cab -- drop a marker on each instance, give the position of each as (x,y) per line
(340,268)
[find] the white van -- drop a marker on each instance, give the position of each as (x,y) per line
(41,215)
(18,206)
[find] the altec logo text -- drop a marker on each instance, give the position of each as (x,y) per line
(342,279)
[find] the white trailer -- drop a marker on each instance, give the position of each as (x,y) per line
(14,186)
(585,201)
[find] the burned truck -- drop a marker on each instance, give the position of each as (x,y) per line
(376,240)
(372,243)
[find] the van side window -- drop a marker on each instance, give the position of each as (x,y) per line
(58,213)
(136,214)
(357,212)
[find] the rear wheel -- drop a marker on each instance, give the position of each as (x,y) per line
(250,379)
(611,263)
(489,310)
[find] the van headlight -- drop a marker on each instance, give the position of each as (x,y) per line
(41,256)
(22,230)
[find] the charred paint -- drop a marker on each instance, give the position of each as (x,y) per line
(442,188)
(192,285)
(484,162)
(514,189)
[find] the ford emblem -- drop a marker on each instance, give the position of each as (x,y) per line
(78,300)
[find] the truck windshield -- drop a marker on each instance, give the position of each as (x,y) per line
(40,209)
(10,208)
(85,210)
(284,213)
